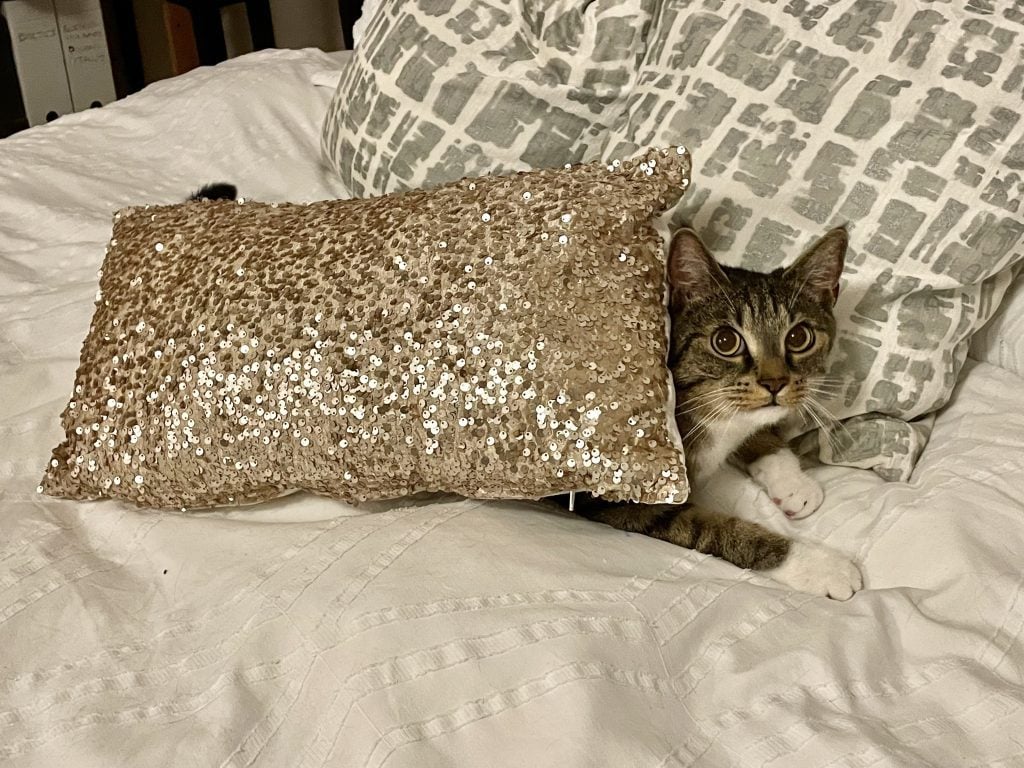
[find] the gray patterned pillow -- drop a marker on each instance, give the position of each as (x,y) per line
(903,120)
(438,91)
(494,337)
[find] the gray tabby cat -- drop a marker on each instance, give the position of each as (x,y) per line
(747,350)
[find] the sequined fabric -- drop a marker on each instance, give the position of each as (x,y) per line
(495,337)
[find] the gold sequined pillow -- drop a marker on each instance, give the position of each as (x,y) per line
(497,337)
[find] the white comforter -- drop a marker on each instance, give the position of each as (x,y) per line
(308,633)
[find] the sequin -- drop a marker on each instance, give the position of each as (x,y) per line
(428,350)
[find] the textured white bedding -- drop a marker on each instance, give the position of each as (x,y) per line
(448,632)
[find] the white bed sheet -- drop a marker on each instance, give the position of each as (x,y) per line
(452,632)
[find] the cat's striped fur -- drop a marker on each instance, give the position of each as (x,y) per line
(747,349)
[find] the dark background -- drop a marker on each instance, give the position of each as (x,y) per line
(184,44)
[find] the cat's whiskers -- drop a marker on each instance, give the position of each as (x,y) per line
(807,410)
(827,421)
(819,397)
(830,417)
(707,418)
(829,387)
(823,429)
(826,393)
(819,389)
(710,393)
(828,381)
(703,400)
(699,406)
(704,423)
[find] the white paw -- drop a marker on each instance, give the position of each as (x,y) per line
(794,492)
(818,570)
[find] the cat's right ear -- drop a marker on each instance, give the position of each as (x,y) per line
(817,272)
(692,271)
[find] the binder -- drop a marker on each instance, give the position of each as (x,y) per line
(60,51)
(86,56)
(39,58)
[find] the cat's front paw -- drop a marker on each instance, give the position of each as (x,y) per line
(818,570)
(794,491)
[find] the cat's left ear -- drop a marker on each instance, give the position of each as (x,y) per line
(818,270)
(692,270)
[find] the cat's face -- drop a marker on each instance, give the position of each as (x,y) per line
(745,341)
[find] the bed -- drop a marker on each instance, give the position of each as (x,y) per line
(445,631)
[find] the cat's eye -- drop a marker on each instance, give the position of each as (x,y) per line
(800,338)
(727,342)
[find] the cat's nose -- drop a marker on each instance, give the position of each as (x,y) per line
(773,385)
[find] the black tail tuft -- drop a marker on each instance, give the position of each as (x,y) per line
(218,191)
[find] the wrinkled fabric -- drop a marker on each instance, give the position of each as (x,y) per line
(300,632)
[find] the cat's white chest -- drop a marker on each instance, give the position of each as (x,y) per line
(726,436)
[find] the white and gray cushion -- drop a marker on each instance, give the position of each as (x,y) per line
(439,91)
(901,120)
